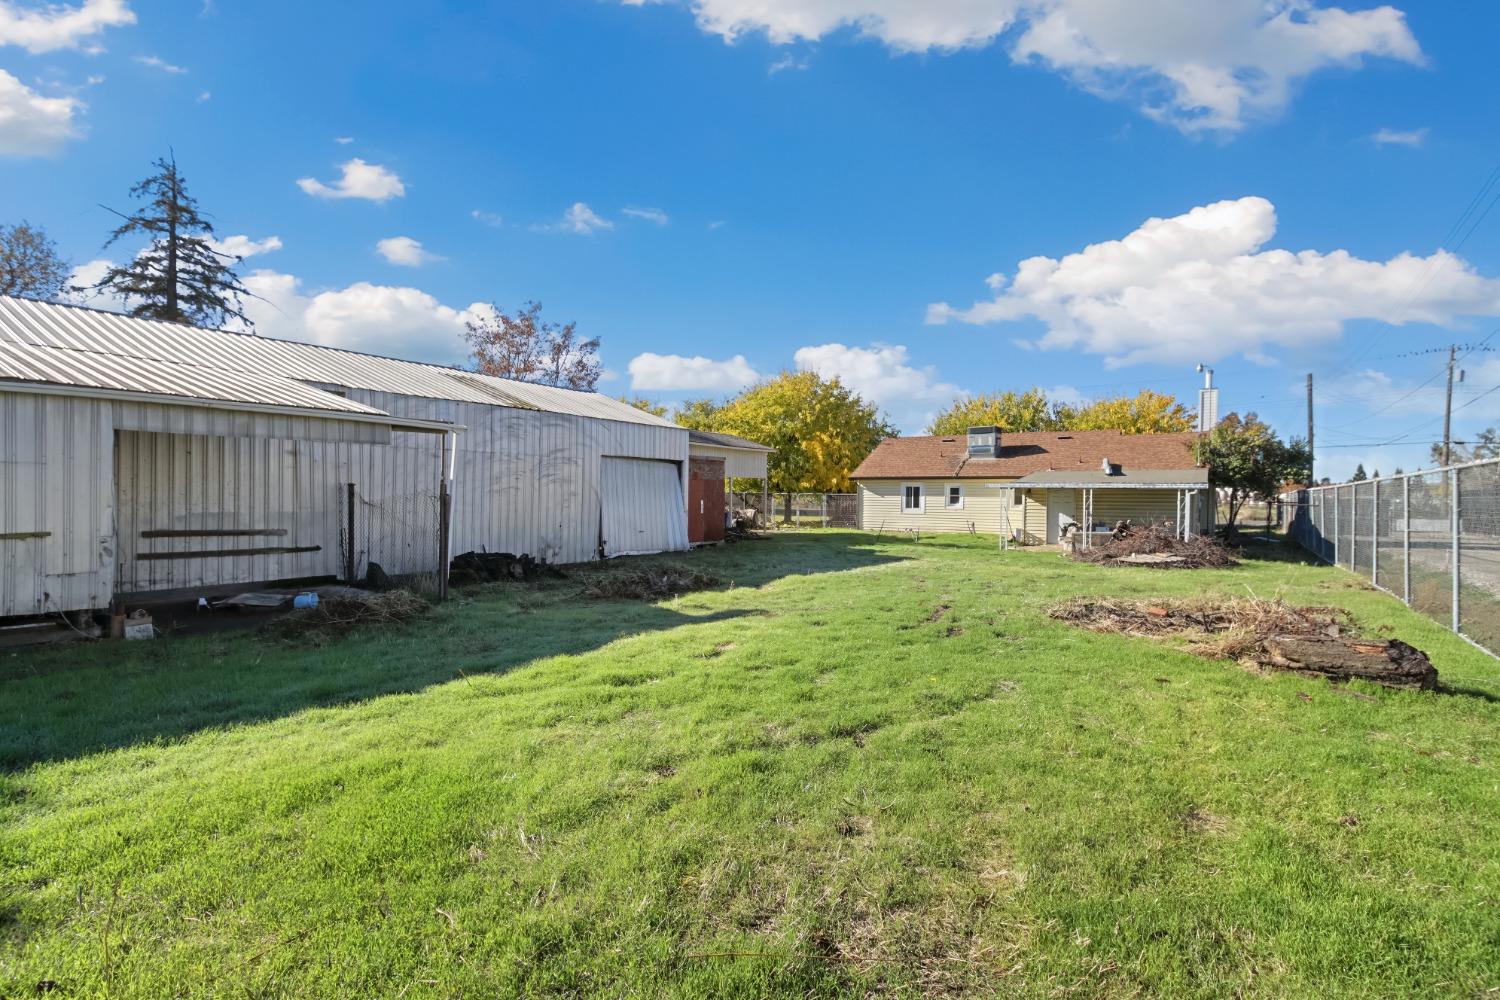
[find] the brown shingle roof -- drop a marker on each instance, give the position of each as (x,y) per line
(1024,453)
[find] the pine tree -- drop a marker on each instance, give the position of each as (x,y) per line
(1359,474)
(179,277)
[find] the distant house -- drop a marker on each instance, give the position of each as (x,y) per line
(1031,486)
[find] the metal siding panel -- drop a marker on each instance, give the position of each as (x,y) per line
(56,461)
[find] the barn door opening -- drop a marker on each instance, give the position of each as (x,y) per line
(642,509)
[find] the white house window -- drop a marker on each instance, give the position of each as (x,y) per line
(911,498)
(956,497)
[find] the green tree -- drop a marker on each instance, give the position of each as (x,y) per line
(698,414)
(1010,411)
(177,276)
(1359,474)
(644,405)
(1486,444)
(1245,457)
(29,263)
(819,430)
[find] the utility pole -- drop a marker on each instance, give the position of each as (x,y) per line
(1311,461)
(1448,411)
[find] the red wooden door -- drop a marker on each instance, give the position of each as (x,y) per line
(712,507)
(697,504)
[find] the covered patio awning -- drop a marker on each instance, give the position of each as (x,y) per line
(1185,483)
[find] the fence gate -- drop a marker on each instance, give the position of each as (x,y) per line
(404,535)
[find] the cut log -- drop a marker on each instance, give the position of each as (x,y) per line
(1392,663)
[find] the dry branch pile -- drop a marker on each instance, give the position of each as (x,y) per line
(1157,545)
(338,614)
(1272,634)
(651,583)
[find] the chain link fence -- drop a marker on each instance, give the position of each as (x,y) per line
(400,535)
(1430,538)
(801,510)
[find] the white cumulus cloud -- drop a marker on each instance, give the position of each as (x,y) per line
(404,251)
(57,26)
(358,179)
(1196,64)
(1202,285)
(243,246)
(379,319)
(675,373)
(31,124)
(881,374)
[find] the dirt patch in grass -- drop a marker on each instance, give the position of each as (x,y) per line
(1216,628)
(648,583)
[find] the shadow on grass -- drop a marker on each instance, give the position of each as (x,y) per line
(58,703)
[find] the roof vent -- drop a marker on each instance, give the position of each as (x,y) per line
(984,442)
(1110,468)
(949,440)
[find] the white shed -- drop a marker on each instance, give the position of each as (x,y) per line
(140,456)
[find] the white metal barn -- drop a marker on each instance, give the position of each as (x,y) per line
(138,456)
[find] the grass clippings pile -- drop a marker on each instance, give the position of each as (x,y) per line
(339,614)
(648,583)
(1315,641)
(1158,545)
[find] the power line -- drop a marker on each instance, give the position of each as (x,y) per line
(1459,224)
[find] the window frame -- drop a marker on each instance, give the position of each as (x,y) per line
(921,506)
(948,503)
(1017,497)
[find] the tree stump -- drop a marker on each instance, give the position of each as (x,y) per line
(1389,662)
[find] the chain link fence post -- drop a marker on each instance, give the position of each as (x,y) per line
(1453,478)
(1406,540)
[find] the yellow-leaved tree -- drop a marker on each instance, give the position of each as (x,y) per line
(1146,412)
(819,429)
(644,405)
(1010,411)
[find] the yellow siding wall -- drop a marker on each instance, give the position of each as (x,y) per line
(984,507)
(1139,506)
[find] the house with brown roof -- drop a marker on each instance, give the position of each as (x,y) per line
(1034,487)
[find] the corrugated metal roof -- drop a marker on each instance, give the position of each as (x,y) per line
(82,329)
(1127,479)
(59,366)
(716,440)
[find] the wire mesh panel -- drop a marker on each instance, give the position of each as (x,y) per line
(1363,529)
(1479,553)
(1390,558)
(763,505)
(1344,522)
(843,510)
(1424,532)
(395,540)
(1430,529)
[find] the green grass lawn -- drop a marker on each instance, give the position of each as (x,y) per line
(868,766)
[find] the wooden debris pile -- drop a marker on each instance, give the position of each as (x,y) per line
(1271,634)
(493,567)
(338,614)
(649,582)
(1157,545)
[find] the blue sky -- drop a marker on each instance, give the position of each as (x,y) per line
(722,189)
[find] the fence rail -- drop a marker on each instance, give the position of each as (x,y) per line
(1430,538)
(801,510)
